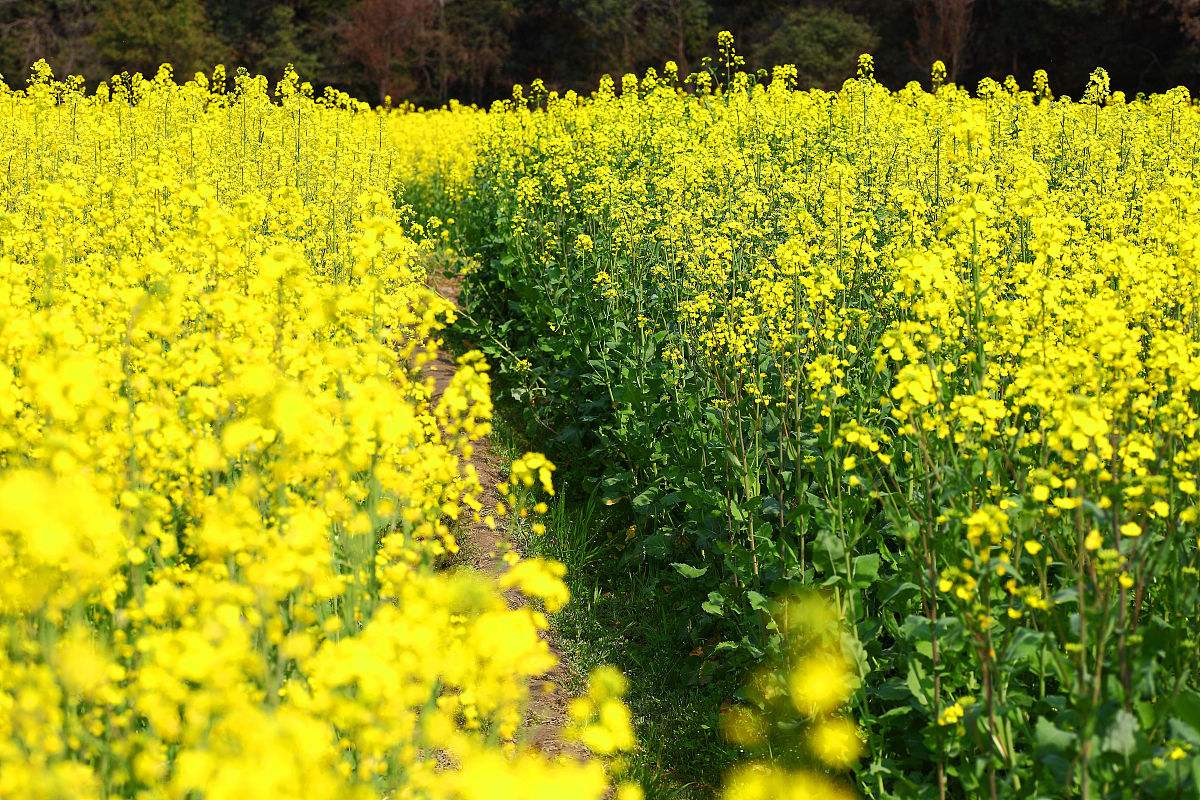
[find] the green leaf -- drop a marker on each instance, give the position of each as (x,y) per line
(895,711)
(897,590)
(670,500)
(1121,736)
(1051,737)
(688,571)
(1024,645)
(831,548)
(656,546)
(854,649)
(715,604)
(918,682)
(891,692)
(866,569)
(1187,708)
(757,601)
(614,486)
(1147,713)
(643,500)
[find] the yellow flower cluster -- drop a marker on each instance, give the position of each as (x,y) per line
(794,711)
(227,492)
(934,348)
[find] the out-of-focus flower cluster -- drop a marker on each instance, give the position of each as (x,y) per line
(793,713)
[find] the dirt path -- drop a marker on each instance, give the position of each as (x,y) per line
(547,712)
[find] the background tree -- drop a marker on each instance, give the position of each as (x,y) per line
(393,41)
(142,34)
(268,35)
(1188,12)
(620,36)
(426,49)
(478,37)
(823,43)
(943,29)
(56,30)
(430,50)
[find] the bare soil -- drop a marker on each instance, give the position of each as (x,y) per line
(480,547)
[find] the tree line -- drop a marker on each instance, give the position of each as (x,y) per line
(428,51)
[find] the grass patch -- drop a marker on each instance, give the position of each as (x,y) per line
(638,621)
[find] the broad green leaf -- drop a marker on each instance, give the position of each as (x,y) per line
(1025,644)
(643,500)
(688,571)
(1050,737)
(866,569)
(715,604)
(918,682)
(1121,736)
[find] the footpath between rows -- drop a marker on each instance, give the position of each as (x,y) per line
(482,548)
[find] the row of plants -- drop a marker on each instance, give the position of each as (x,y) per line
(230,489)
(933,351)
(228,494)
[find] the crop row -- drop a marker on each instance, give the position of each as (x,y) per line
(228,495)
(934,352)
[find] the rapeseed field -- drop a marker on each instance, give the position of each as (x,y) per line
(902,386)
